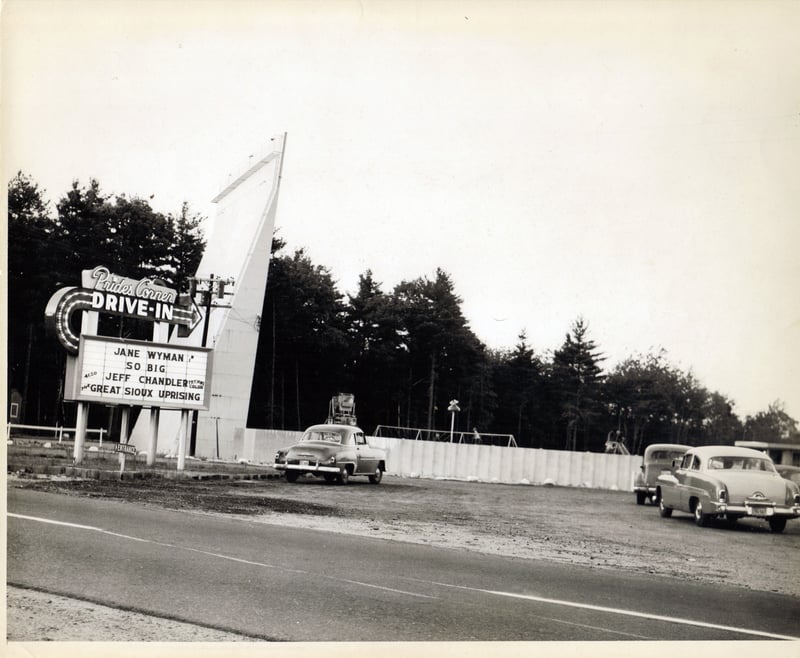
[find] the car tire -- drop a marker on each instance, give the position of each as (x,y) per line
(656,498)
(777,524)
(700,518)
(663,510)
(291,476)
(641,496)
(344,476)
(376,477)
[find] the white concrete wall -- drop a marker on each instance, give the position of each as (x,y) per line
(433,459)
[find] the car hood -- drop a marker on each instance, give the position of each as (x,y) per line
(742,484)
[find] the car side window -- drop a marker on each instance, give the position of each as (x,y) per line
(360,439)
(695,463)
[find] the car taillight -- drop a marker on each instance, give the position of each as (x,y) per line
(723,496)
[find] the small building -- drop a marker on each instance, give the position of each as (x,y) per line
(780,453)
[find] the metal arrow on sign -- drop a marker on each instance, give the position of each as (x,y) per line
(189,316)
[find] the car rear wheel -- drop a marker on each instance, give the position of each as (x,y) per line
(700,517)
(291,476)
(641,496)
(663,510)
(777,524)
(376,477)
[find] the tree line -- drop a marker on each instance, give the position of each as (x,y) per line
(48,251)
(404,353)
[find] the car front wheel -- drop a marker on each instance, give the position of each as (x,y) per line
(344,476)
(291,476)
(377,476)
(663,510)
(700,517)
(777,524)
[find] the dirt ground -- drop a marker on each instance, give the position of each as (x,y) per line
(599,529)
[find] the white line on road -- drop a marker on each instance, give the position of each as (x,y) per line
(620,611)
(209,553)
(528,597)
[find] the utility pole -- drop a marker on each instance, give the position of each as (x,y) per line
(211,289)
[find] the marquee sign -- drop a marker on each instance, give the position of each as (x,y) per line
(110,293)
(119,371)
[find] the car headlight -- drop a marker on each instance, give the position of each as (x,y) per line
(332,460)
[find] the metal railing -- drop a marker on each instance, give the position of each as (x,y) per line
(57,430)
(445,436)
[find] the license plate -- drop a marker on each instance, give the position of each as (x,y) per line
(760,511)
(303,462)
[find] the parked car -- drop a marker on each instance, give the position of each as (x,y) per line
(332,451)
(789,472)
(728,482)
(657,458)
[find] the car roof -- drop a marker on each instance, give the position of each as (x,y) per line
(333,427)
(664,446)
(727,451)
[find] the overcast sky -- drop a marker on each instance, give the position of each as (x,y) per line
(636,164)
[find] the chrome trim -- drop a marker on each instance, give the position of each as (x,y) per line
(312,469)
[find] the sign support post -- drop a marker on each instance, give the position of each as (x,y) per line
(81,422)
(123,435)
(184,429)
(153,445)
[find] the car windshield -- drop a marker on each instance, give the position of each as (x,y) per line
(330,436)
(741,464)
(665,455)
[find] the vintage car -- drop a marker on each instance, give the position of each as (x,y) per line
(332,451)
(657,458)
(728,482)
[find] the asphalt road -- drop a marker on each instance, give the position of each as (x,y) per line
(278,583)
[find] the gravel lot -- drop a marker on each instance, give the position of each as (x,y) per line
(599,529)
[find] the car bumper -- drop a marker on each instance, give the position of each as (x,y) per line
(757,511)
(307,468)
(641,488)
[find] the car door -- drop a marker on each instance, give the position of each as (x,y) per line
(673,494)
(689,481)
(365,457)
